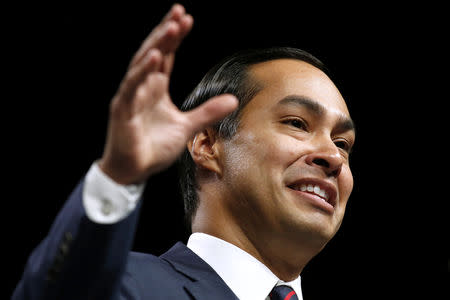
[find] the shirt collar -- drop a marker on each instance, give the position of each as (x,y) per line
(246,276)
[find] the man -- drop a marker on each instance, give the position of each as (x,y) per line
(265,189)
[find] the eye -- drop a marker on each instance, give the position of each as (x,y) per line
(297,123)
(344,145)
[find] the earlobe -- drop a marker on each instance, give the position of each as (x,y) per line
(205,151)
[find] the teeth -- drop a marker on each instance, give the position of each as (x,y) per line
(314,189)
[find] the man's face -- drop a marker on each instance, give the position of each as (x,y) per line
(287,168)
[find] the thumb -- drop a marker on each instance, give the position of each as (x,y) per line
(212,111)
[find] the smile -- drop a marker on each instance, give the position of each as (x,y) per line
(315,189)
(319,191)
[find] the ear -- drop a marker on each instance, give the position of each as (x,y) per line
(205,150)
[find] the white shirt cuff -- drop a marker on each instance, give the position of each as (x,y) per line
(104,200)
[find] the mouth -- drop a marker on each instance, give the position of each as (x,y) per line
(321,193)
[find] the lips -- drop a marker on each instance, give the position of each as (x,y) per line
(322,189)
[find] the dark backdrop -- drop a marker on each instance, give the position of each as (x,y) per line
(66,61)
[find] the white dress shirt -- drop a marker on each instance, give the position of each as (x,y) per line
(247,277)
(104,200)
(107,202)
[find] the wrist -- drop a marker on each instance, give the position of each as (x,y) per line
(117,173)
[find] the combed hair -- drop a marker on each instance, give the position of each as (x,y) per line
(230,76)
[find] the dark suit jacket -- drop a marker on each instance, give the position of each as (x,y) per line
(80,259)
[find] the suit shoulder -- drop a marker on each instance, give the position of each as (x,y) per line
(143,265)
(146,273)
(139,260)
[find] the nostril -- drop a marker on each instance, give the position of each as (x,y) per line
(321,162)
(336,172)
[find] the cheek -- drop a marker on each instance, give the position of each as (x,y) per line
(241,162)
(345,183)
(280,151)
(257,158)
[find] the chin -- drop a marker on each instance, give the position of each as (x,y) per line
(315,230)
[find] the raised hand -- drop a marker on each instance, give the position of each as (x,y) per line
(146,131)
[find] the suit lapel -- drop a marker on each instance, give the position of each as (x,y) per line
(204,282)
(207,290)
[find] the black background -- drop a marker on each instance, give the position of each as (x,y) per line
(64,64)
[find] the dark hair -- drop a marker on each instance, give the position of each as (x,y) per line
(229,76)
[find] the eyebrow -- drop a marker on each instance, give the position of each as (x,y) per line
(344,123)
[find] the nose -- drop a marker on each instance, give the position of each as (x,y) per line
(326,157)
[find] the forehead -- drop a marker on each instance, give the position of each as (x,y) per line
(283,77)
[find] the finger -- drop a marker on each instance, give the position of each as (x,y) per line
(172,35)
(174,13)
(185,23)
(167,35)
(152,63)
(185,26)
(153,90)
(153,40)
(211,112)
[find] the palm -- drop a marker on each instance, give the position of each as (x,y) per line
(146,130)
(162,133)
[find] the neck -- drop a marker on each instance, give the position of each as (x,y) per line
(286,261)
